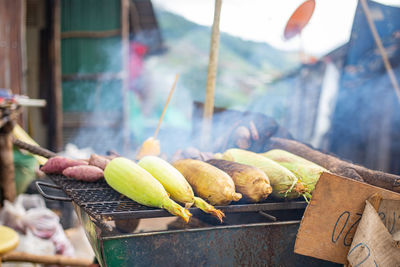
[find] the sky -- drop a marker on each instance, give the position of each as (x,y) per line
(265,20)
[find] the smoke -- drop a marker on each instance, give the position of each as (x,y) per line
(93,108)
(244,75)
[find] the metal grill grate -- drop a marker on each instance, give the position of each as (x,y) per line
(99,199)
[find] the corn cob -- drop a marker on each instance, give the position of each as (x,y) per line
(284,183)
(208,182)
(250,181)
(308,172)
(176,185)
(131,180)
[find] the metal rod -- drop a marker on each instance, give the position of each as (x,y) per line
(47,196)
(268,216)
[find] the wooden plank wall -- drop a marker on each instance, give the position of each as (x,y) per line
(12,45)
(12,76)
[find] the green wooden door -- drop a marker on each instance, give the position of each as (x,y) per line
(92,73)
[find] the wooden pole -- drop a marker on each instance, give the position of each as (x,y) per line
(7,182)
(125,71)
(381,49)
(55,57)
(16,256)
(171,91)
(212,75)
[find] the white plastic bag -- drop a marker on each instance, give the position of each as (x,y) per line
(38,220)
(11,214)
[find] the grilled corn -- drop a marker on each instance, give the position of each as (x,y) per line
(284,183)
(307,171)
(250,181)
(208,182)
(175,184)
(131,180)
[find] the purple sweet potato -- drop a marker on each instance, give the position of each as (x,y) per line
(56,165)
(98,161)
(86,173)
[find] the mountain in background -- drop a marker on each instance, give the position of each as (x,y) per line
(244,67)
(245,72)
(175,28)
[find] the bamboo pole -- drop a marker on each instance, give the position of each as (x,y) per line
(212,75)
(381,49)
(171,91)
(151,146)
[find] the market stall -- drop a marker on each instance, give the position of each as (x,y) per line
(240,189)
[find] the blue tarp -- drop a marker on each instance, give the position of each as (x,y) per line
(365,121)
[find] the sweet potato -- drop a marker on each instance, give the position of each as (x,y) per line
(86,173)
(56,165)
(98,161)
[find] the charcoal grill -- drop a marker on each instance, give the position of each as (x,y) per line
(98,199)
(252,234)
(260,234)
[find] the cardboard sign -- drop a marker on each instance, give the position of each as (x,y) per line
(389,212)
(373,244)
(331,218)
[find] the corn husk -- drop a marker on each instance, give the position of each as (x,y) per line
(176,185)
(131,180)
(284,183)
(307,171)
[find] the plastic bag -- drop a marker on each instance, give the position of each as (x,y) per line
(31,201)
(41,221)
(11,214)
(38,219)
